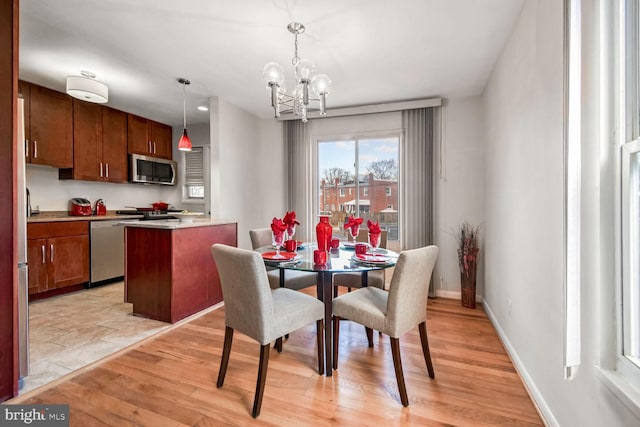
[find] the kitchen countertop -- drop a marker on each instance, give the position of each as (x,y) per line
(51,216)
(176,224)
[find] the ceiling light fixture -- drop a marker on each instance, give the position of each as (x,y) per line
(203,108)
(299,100)
(185,143)
(86,88)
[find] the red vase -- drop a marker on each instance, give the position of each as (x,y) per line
(323,233)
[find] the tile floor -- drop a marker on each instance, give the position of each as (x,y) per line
(71,331)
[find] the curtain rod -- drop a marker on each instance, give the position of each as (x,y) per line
(369,109)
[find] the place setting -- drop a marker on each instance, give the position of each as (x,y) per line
(280,227)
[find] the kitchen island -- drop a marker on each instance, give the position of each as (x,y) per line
(169,271)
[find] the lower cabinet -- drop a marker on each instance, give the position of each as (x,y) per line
(58,255)
(170,273)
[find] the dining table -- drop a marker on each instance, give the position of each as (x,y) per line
(339,260)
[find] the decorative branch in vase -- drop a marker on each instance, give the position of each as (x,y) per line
(467,261)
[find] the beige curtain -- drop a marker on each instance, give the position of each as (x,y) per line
(299,183)
(416,169)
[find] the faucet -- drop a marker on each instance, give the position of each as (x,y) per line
(28,203)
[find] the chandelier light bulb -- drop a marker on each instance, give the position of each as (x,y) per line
(306,69)
(273,73)
(321,84)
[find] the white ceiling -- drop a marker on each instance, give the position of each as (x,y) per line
(374,50)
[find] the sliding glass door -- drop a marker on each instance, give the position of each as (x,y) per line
(360,177)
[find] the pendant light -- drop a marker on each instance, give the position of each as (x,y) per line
(185,143)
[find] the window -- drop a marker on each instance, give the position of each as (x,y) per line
(362,163)
(194,174)
(630,198)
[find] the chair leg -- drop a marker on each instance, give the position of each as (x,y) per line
(369,336)
(425,348)
(278,345)
(226,349)
(397,364)
(262,379)
(320,341)
(336,334)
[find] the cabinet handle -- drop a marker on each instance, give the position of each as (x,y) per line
(43,259)
(106,166)
(100,169)
(149,147)
(26,148)
(51,247)
(35,149)
(154,147)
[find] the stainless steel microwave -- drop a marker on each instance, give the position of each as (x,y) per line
(152,170)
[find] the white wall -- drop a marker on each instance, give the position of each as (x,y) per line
(524,223)
(247,168)
(459,193)
(51,194)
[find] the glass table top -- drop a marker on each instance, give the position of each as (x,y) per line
(342,259)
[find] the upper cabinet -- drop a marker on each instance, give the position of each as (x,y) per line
(48,126)
(99,143)
(148,137)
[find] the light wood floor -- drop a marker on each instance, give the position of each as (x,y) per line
(169,379)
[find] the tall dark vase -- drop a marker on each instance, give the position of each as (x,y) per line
(468,286)
(323,233)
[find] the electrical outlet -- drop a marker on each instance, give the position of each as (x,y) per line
(509,306)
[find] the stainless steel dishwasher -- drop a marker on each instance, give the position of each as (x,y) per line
(107,251)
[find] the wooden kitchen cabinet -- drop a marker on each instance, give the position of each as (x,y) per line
(99,144)
(48,126)
(57,256)
(148,137)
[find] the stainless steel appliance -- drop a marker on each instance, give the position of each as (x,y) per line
(107,252)
(23,271)
(152,170)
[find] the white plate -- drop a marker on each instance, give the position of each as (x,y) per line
(186,217)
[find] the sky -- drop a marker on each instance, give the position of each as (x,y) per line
(341,154)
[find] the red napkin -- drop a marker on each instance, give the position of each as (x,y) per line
(278,226)
(374,227)
(353,222)
(290,219)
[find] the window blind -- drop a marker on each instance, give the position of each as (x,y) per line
(194,167)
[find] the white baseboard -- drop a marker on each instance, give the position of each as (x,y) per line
(454,295)
(534,393)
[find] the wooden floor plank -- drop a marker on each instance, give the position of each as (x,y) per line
(170,380)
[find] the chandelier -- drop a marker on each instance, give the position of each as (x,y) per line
(310,91)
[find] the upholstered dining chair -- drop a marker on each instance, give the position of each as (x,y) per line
(395,312)
(293,279)
(375,278)
(262,313)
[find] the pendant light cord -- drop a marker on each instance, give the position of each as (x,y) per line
(184,104)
